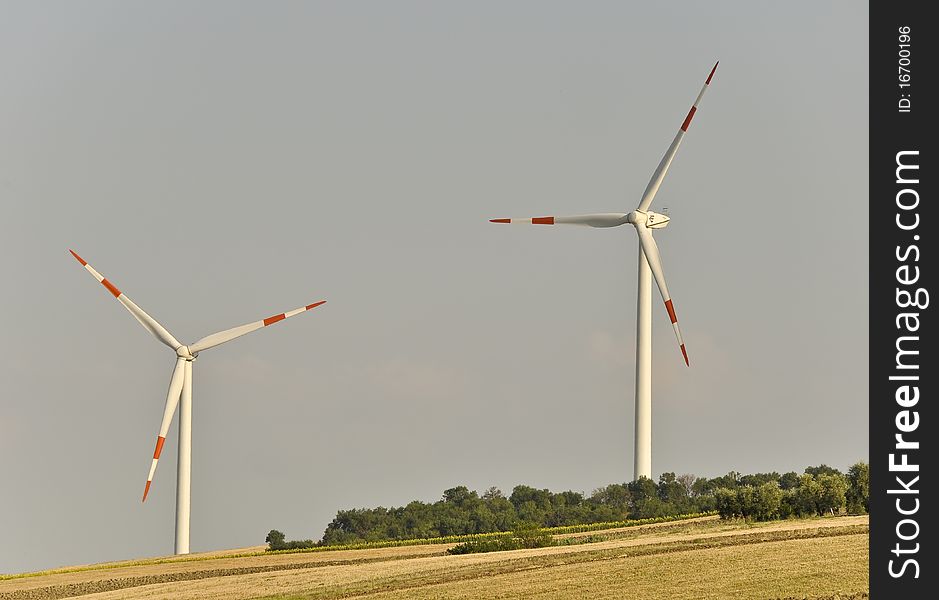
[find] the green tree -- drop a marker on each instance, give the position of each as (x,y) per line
(275,540)
(616,497)
(808,495)
(729,481)
(726,502)
(768,501)
(529,511)
(788,481)
(671,490)
(758,479)
(645,500)
(460,496)
(822,469)
(746,499)
(858,495)
(642,489)
(523,493)
(492,494)
(833,489)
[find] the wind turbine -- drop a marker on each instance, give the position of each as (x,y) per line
(180,392)
(650,264)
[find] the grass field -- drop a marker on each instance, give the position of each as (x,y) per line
(699,558)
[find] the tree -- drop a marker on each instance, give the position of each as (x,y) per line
(483,519)
(789,480)
(807,497)
(524,493)
(758,479)
(768,501)
(275,540)
(822,469)
(646,503)
(726,501)
(688,481)
(671,490)
(459,495)
(492,494)
(858,494)
(746,499)
(730,481)
(642,489)
(529,511)
(615,496)
(833,488)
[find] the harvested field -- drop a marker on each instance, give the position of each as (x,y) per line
(702,558)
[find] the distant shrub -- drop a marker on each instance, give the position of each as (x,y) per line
(526,535)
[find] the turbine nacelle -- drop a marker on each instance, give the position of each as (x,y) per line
(652,220)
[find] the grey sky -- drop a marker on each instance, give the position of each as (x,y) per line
(221,162)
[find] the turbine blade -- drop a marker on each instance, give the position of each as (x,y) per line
(221,337)
(149,323)
(660,171)
(593,220)
(172,400)
(651,250)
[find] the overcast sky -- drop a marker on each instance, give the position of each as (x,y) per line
(221,162)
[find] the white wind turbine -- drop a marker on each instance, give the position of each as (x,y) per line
(181,390)
(650,264)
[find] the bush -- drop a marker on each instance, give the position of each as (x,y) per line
(526,535)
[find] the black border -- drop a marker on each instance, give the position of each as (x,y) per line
(892,131)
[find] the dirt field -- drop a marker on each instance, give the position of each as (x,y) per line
(819,558)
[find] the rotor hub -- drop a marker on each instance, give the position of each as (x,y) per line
(183,352)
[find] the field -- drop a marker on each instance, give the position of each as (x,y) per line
(699,558)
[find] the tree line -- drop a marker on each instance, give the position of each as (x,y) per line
(461,511)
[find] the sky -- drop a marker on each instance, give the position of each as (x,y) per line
(221,162)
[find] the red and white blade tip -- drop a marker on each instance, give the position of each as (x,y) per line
(284,315)
(77,257)
(156,457)
(711,74)
(685,354)
(533,220)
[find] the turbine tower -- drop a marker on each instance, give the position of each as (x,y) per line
(180,393)
(650,265)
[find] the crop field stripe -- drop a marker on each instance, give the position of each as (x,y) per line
(509,565)
(512,565)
